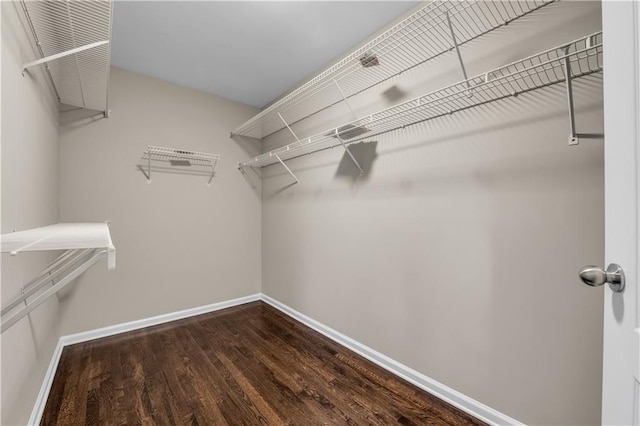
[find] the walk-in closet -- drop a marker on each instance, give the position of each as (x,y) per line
(320,212)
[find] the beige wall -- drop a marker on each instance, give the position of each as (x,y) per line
(180,243)
(29,199)
(457,254)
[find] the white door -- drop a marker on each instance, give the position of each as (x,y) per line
(621,364)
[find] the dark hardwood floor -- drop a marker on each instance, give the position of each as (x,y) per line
(247,365)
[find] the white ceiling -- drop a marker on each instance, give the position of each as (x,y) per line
(251,52)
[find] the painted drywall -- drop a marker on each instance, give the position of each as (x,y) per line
(29,199)
(180,243)
(457,252)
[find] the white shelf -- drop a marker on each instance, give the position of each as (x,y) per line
(84,243)
(62,236)
(423,36)
(541,70)
(180,158)
(70,37)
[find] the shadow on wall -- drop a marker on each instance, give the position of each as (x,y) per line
(394,94)
(365,154)
(178,169)
(428,145)
(445,135)
(251,146)
(75,117)
(253,177)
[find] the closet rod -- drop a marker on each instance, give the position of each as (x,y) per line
(91,256)
(63,54)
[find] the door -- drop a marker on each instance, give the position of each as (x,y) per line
(621,363)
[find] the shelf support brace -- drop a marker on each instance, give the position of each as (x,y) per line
(49,275)
(213,171)
(344,98)
(285,166)
(63,54)
(149,167)
(455,44)
(346,148)
(90,257)
(290,129)
(574,138)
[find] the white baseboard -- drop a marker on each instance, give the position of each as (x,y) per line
(72,339)
(453,397)
(43,394)
(99,333)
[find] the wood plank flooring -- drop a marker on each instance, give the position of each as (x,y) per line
(247,365)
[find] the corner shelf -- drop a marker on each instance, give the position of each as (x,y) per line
(180,158)
(564,63)
(84,244)
(435,29)
(73,40)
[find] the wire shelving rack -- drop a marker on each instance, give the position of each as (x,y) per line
(84,244)
(433,30)
(73,41)
(182,158)
(564,63)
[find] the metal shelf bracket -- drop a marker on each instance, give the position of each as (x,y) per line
(574,137)
(149,170)
(353,114)
(289,127)
(288,169)
(346,148)
(457,47)
(344,98)
(297,140)
(213,171)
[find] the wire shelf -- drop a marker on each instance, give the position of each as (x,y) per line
(159,153)
(181,158)
(541,70)
(419,38)
(80,79)
(84,243)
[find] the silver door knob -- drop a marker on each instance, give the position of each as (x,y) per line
(595,276)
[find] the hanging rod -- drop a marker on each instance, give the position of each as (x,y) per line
(63,54)
(421,37)
(73,40)
(583,55)
(84,243)
(69,271)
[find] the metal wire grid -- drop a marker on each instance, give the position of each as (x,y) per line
(64,270)
(419,38)
(47,277)
(163,154)
(80,79)
(537,71)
